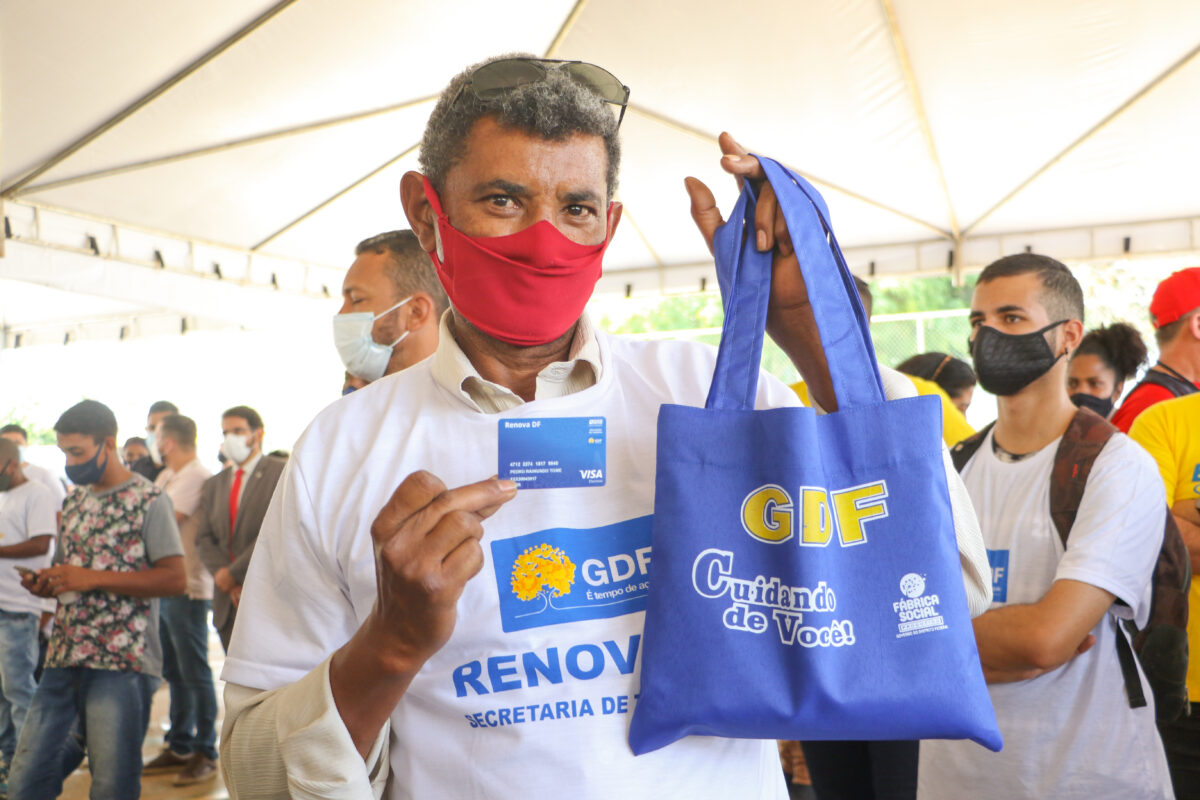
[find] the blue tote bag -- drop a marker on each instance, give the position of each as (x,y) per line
(805,581)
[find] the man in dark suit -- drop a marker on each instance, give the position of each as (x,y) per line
(231,511)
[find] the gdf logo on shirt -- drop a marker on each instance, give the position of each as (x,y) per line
(570,574)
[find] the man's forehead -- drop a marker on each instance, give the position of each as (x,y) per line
(12,436)
(1022,291)
(366,273)
(67,441)
(499,154)
(566,190)
(234,423)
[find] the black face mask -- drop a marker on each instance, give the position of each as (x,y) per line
(1101,405)
(1006,362)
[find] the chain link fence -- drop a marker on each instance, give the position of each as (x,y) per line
(901,336)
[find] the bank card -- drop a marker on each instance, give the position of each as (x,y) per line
(553,453)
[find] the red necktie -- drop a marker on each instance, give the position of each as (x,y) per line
(233,507)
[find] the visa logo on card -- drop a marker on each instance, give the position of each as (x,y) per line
(552,453)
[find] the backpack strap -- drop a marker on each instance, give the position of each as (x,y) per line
(1085,437)
(1129,670)
(1083,440)
(961,453)
(1174,385)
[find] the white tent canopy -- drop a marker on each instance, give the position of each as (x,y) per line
(146,148)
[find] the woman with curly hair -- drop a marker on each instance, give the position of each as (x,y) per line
(1106,358)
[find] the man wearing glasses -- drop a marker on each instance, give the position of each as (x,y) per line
(393,648)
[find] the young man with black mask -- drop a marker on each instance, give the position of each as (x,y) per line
(1048,644)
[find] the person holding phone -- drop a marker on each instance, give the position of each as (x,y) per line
(27,528)
(119,551)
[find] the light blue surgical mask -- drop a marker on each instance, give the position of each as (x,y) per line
(152,447)
(362,356)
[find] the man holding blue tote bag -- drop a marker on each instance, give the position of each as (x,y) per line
(806,583)
(444,634)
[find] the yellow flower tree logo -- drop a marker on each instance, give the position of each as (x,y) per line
(543,571)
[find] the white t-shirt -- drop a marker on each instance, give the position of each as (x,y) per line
(184,488)
(1069,733)
(26,511)
(522,698)
(47,478)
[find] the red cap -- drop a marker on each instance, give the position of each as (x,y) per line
(1178,294)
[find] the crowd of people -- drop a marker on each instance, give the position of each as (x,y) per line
(367,656)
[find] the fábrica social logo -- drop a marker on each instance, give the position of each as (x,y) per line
(917,612)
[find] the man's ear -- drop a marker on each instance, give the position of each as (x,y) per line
(420,214)
(1193,326)
(1072,334)
(422,312)
(614,217)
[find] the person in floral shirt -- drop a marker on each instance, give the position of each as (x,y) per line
(119,549)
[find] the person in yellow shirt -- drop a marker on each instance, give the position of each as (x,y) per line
(954,376)
(955,427)
(951,379)
(1170,431)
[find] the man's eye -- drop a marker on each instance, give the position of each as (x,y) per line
(501,201)
(577,210)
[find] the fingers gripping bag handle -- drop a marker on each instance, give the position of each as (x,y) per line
(805,580)
(744,275)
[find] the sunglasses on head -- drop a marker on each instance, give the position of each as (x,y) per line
(497,77)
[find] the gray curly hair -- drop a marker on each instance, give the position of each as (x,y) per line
(554,108)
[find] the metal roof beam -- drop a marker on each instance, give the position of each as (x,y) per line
(914,92)
(187,294)
(143,101)
(328,201)
(1088,134)
(221,147)
(682,127)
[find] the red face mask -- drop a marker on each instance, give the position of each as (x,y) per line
(527,288)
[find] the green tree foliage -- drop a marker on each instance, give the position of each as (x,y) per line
(37,435)
(895,296)
(672,313)
(1112,291)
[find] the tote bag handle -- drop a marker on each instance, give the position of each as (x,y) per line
(744,275)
